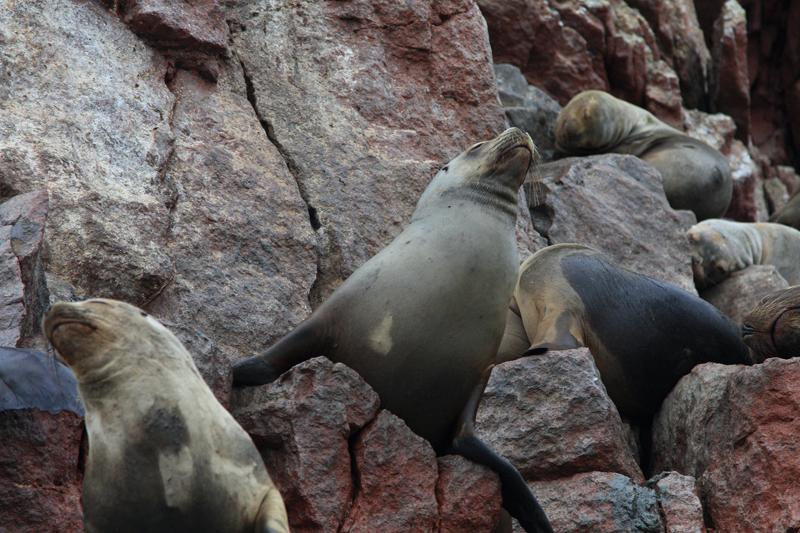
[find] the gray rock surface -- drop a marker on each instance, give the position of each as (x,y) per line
(738,294)
(616,204)
(679,502)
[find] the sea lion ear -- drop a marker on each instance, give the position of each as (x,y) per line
(556,331)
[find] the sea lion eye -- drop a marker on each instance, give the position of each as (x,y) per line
(143,313)
(475,147)
(444,168)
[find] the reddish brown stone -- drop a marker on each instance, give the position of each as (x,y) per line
(735,428)
(748,203)
(397,474)
(730,83)
(302,424)
(194,24)
(741,291)
(468,495)
(551,416)
(679,502)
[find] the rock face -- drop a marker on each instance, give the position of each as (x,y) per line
(734,428)
(528,108)
(551,416)
(729,81)
(384,93)
(568,47)
(41,425)
(616,204)
(343,465)
(599,501)
(737,295)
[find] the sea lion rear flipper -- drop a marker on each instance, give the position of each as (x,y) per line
(271,517)
(300,344)
(517,497)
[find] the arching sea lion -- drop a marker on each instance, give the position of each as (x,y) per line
(421,320)
(695,175)
(164,455)
(644,334)
(772,328)
(789,214)
(721,247)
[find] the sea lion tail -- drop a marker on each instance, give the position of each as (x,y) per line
(300,344)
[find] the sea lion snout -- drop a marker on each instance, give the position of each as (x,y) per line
(512,152)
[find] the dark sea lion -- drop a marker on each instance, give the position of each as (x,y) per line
(164,455)
(695,175)
(644,334)
(421,321)
(789,214)
(721,247)
(772,328)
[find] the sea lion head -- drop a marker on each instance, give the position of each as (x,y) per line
(587,124)
(489,172)
(772,328)
(713,257)
(95,335)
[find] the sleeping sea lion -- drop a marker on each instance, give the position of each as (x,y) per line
(772,328)
(695,175)
(644,334)
(421,320)
(164,455)
(721,247)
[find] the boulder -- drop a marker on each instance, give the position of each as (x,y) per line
(737,295)
(679,502)
(365,101)
(41,428)
(616,204)
(599,501)
(729,81)
(734,428)
(551,416)
(397,473)
(528,108)
(302,424)
(775,193)
(788,177)
(22,283)
(468,495)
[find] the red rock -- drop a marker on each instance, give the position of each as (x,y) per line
(599,501)
(196,24)
(735,429)
(616,204)
(663,97)
(681,43)
(551,416)
(748,203)
(468,495)
(397,474)
(679,502)
(302,424)
(737,295)
(729,84)
(41,426)
(23,292)
(716,130)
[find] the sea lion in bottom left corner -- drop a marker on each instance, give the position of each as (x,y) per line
(164,455)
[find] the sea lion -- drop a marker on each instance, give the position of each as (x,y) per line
(721,247)
(789,214)
(164,455)
(421,320)
(695,175)
(644,334)
(772,328)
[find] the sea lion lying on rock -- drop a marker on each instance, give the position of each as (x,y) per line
(772,328)
(644,334)
(164,455)
(695,175)
(721,247)
(421,321)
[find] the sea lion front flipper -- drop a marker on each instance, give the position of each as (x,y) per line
(271,517)
(518,499)
(556,331)
(300,344)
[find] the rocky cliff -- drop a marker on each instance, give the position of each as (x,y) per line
(226,164)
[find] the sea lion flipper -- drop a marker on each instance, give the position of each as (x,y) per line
(271,517)
(556,331)
(297,346)
(515,339)
(518,499)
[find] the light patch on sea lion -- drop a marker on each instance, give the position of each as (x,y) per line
(176,476)
(380,338)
